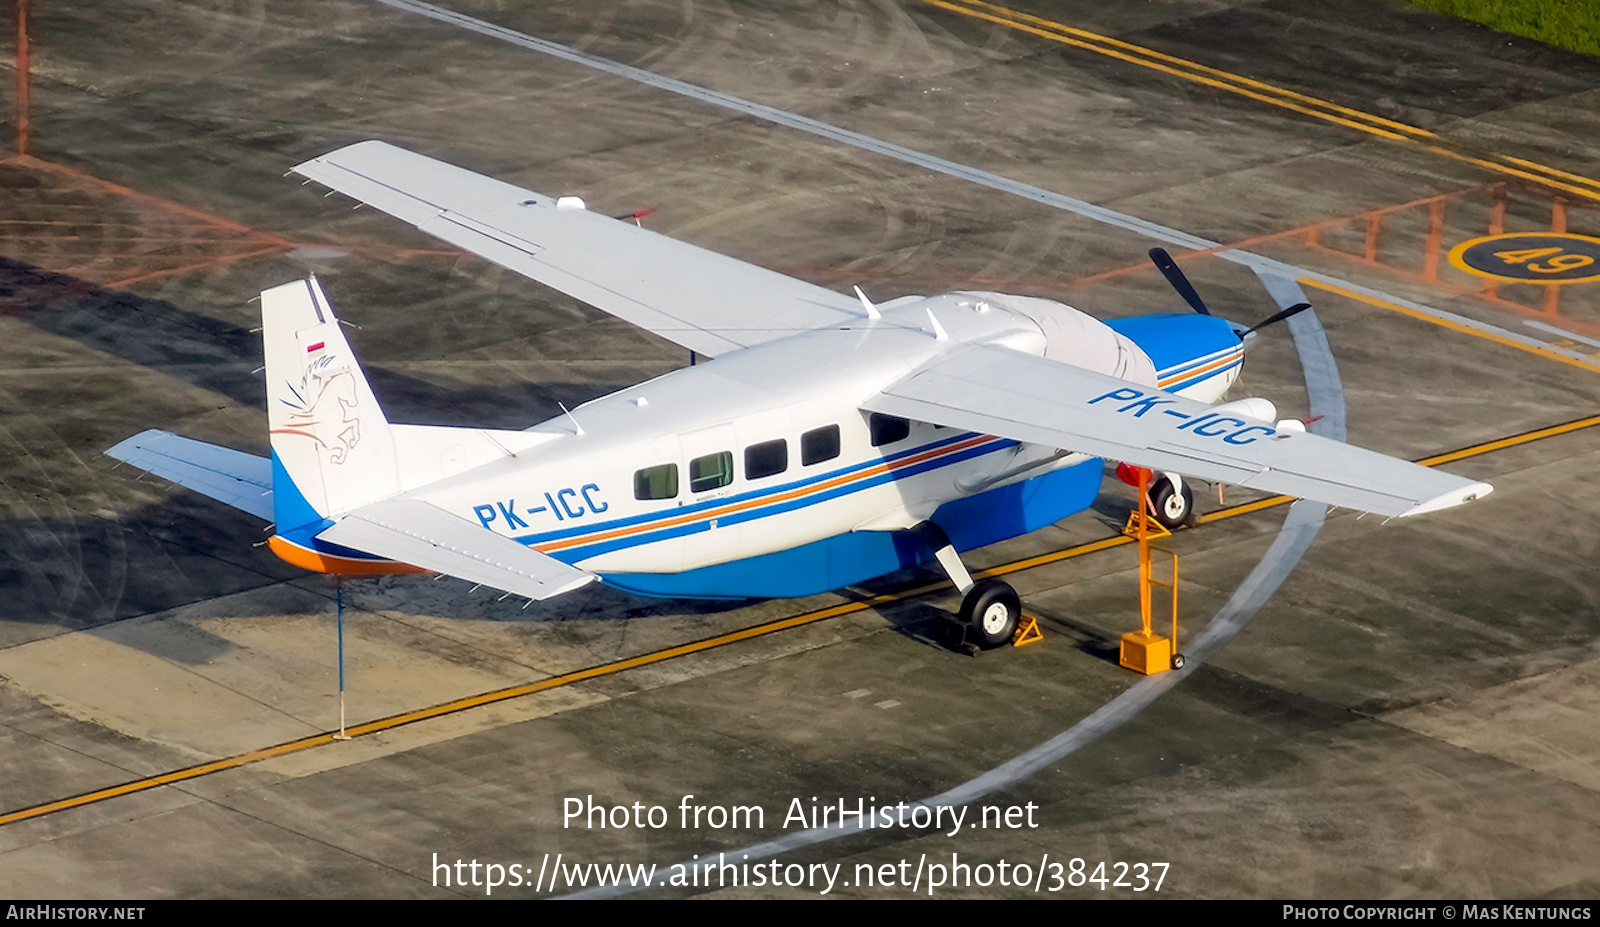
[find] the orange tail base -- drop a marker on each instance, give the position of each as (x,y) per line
(307,559)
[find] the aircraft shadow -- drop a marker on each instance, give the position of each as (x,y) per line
(71,564)
(224,357)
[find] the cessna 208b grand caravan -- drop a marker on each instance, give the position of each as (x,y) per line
(828,441)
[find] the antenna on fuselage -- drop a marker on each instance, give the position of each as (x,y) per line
(577,429)
(872,311)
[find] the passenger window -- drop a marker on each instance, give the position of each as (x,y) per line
(712,471)
(659,482)
(765,459)
(887,429)
(819,444)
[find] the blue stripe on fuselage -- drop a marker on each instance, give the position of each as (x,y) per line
(866,481)
(743,497)
(856,556)
(1185,384)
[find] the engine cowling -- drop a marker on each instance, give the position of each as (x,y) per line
(1077,338)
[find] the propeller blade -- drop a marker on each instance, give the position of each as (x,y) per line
(1278,317)
(1169,269)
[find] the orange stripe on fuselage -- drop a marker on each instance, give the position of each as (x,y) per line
(726,510)
(320,562)
(1222,362)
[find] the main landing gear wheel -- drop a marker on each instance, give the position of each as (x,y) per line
(1172,508)
(991,609)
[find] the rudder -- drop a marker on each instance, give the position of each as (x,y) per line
(331,443)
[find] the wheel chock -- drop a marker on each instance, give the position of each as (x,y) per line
(1146,653)
(1152,528)
(1027,632)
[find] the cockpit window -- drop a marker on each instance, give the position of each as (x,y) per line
(887,429)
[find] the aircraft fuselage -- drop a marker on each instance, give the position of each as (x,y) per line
(757,473)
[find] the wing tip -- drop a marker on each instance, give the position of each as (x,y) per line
(365,145)
(1468,493)
(122,449)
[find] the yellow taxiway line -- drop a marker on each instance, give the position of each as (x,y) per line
(720,640)
(1262,91)
(1454,326)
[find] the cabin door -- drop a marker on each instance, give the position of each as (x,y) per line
(710,476)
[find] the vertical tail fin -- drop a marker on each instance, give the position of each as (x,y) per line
(332,447)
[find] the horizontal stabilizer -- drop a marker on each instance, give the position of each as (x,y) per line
(232,477)
(424,535)
(998,391)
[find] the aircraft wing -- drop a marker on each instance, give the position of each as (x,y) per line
(998,391)
(422,534)
(232,477)
(707,302)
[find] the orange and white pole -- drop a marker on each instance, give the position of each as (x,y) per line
(1145,573)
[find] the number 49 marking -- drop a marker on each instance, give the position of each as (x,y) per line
(1564,260)
(1531,257)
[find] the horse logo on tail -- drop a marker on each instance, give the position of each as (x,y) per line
(323,408)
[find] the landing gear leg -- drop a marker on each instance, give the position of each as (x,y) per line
(991,609)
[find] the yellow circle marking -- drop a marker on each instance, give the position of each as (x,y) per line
(1530,257)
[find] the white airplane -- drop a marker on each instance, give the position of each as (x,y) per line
(828,442)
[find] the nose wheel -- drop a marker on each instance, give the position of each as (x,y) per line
(1172,503)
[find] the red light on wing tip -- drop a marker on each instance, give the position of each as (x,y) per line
(635,216)
(1131,475)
